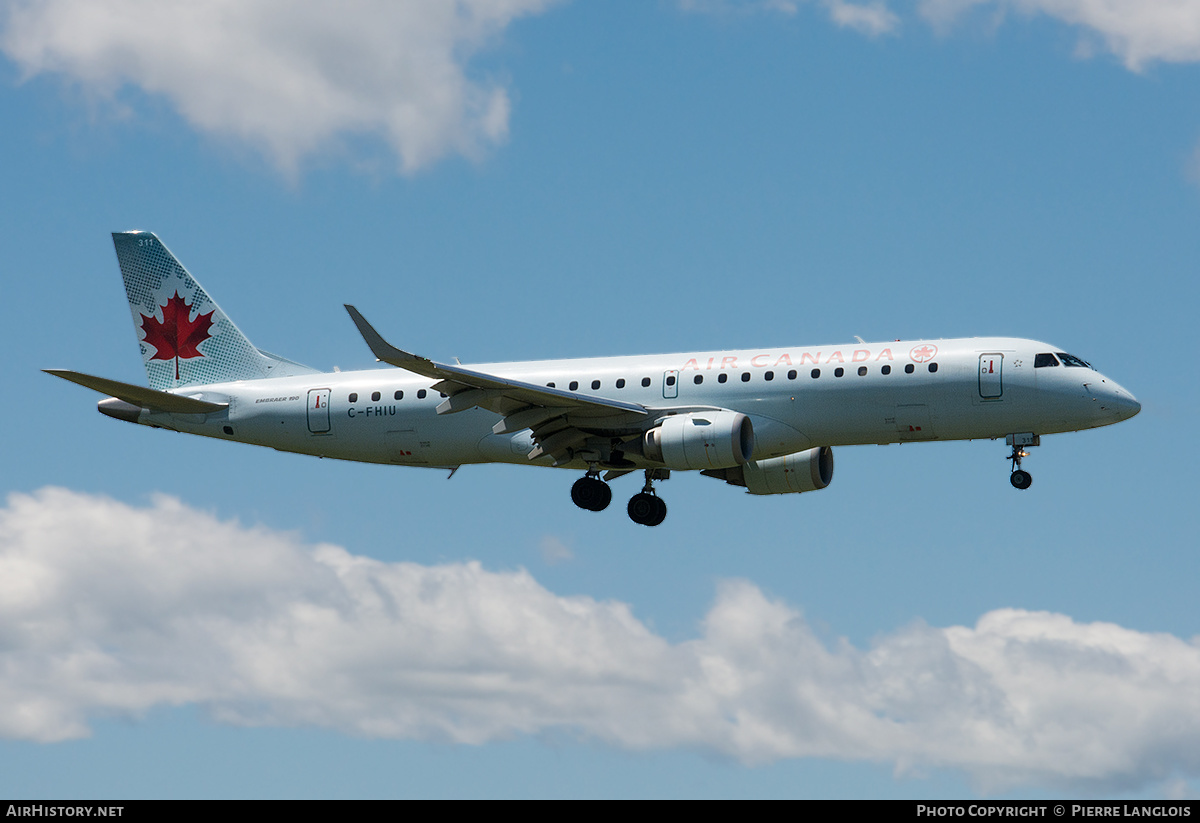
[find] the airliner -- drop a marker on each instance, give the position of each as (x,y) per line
(765,419)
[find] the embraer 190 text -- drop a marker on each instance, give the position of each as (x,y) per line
(764,419)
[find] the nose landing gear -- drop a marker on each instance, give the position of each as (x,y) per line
(1020,478)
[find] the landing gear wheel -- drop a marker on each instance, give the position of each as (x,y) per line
(646,509)
(591,493)
(660,513)
(1020,479)
(641,508)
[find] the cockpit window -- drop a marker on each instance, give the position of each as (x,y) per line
(1072,360)
(1043,360)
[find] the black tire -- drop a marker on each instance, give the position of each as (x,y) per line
(604,496)
(591,494)
(1021,479)
(660,512)
(580,492)
(643,508)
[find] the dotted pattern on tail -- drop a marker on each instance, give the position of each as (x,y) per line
(153,276)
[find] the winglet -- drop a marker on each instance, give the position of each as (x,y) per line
(456,379)
(385,352)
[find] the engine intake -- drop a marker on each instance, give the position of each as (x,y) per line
(701,440)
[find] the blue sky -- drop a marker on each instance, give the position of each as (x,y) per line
(530,179)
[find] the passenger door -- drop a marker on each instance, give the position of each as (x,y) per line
(991,380)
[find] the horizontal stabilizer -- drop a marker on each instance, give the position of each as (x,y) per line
(140,395)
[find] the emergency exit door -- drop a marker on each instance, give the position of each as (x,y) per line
(318,411)
(671,384)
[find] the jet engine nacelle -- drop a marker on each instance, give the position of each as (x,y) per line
(804,471)
(701,440)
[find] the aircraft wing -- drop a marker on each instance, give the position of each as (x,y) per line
(139,395)
(560,420)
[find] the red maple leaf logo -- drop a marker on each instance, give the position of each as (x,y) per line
(176,335)
(923,353)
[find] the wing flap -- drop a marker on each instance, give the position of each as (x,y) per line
(556,445)
(529,417)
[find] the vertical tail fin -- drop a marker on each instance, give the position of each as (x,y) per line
(186,339)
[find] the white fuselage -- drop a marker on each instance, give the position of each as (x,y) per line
(796,400)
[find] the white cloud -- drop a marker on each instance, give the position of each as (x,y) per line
(872,19)
(291,78)
(1137,31)
(555,551)
(111,609)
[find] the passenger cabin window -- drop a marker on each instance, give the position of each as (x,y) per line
(595,385)
(353,397)
(745,377)
(670,380)
(792,374)
(573,385)
(722,377)
(421,394)
(769,375)
(932,368)
(549,385)
(815,373)
(698,379)
(839,371)
(399,395)
(1072,360)
(645,382)
(862,371)
(886,370)
(909,369)
(375,396)
(1045,359)
(621,383)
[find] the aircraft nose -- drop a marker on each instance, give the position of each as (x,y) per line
(1125,405)
(1117,402)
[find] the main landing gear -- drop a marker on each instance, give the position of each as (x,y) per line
(645,508)
(1019,478)
(591,493)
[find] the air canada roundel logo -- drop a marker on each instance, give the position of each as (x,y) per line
(923,353)
(178,334)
